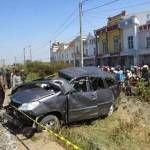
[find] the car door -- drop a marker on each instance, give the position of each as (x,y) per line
(82,103)
(114,86)
(104,95)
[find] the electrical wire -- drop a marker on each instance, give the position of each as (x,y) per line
(102,5)
(126,7)
(58,29)
(64,29)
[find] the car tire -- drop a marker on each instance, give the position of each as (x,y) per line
(51,122)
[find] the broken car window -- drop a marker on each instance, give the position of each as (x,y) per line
(80,85)
(96,83)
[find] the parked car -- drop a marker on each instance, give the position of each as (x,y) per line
(76,94)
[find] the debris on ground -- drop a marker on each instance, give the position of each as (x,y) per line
(7,140)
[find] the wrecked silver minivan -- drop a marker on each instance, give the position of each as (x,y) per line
(77,94)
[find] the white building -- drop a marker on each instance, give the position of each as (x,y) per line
(89,50)
(54,50)
(77,51)
(144,44)
(70,53)
(58,51)
(131,36)
(63,52)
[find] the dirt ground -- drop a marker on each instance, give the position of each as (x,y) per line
(9,141)
(37,142)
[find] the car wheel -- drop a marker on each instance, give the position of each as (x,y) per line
(51,122)
(111,110)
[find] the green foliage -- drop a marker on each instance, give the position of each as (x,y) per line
(40,69)
(143,91)
(37,67)
(32,76)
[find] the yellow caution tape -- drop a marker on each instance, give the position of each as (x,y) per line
(75,147)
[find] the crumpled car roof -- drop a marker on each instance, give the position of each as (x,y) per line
(75,72)
(63,84)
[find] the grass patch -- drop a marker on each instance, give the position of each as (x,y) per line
(111,133)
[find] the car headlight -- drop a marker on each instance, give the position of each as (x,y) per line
(28,106)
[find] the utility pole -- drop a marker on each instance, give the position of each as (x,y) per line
(30,52)
(50,52)
(24,54)
(81,39)
(15,61)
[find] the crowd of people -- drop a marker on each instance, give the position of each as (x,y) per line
(9,79)
(134,72)
(129,77)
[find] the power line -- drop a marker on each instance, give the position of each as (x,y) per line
(126,7)
(66,20)
(57,33)
(60,27)
(102,5)
(115,9)
(64,29)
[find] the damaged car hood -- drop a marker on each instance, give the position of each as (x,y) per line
(29,95)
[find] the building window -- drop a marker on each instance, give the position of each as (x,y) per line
(104,46)
(148,42)
(130,42)
(116,44)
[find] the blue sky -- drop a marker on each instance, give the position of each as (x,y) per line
(34,22)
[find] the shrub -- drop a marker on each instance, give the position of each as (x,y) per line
(43,69)
(32,76)
(143,91)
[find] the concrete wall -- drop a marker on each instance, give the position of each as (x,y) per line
(111,35)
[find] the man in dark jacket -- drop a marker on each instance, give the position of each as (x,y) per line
(8,78)
(2,92)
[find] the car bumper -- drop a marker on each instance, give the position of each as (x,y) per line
(16,118)
(12,120)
